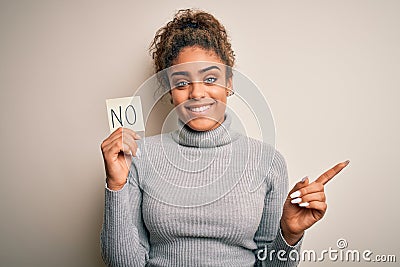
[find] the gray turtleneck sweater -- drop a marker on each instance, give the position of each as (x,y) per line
(193,198)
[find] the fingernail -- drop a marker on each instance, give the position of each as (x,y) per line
(304,179)
(304,204)
(347,162)
(295,194)
(138,136)
(296,200)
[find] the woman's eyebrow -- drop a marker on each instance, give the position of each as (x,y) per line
(185,73)
(208,68)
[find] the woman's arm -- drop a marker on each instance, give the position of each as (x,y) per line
(124,238)
(273,249)
(303,206)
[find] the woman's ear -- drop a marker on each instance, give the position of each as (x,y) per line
(229,87)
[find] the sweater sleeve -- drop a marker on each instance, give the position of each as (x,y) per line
(272,249)
(124,238)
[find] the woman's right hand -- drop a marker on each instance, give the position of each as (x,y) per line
(117,150)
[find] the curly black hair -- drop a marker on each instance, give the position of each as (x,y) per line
(190,27)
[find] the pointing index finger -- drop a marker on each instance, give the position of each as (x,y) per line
(329,174)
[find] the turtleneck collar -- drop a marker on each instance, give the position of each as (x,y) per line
(219,136)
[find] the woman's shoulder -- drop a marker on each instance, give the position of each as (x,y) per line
(155,146)
(267,151)
(257,144)
(157,139)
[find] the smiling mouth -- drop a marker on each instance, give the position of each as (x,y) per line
(199,109)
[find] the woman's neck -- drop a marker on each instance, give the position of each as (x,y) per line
(219,136)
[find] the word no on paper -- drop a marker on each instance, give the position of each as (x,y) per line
(125,112)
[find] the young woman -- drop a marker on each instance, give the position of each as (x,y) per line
(239,228)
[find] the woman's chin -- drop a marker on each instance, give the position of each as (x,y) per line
(203,124)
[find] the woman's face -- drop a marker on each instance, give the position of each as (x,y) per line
(200,88)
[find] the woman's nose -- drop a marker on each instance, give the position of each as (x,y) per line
(198,90)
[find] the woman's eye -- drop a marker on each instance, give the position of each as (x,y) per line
(210,80)
(181,84)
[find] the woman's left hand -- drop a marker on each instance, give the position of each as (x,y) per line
(306,204)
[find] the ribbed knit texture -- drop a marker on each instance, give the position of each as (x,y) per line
(193,198)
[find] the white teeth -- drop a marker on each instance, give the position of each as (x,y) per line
(199,109)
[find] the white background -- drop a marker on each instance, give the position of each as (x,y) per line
(330,71)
